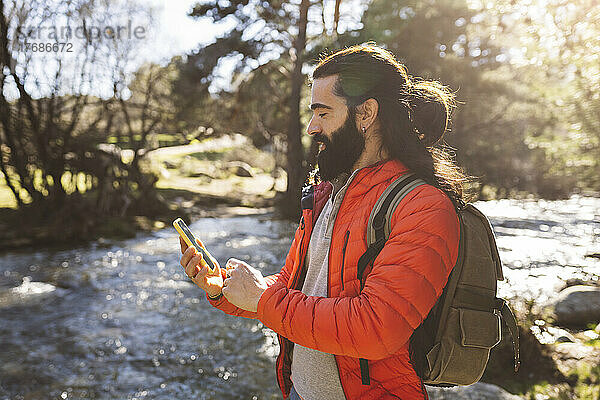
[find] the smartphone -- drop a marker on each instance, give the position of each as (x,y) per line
(190,239)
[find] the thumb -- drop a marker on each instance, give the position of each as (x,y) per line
(200,243)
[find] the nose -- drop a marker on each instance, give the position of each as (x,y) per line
(313,128)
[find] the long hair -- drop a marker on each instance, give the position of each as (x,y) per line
(414,113)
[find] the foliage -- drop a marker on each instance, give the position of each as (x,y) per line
(56,116)
(268,45)
(567,59)
(526,77)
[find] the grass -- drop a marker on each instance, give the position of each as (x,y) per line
(585,386)
(7,199)
(203,176)
(191,181)
(548,371)
(209,155)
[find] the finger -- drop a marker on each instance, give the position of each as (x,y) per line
(183,244)
(230,266)
(233,272)
(202,263)
(235,262)
(200,243)
(192,268)
(225,292)
(192,271)
(200,276)
(187,256)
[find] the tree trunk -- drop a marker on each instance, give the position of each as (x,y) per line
(295,153)
(336,17)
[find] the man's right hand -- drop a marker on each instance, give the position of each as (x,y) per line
(198,270)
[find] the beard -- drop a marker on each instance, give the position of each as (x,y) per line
(342,151)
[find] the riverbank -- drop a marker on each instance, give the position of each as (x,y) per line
(217,177)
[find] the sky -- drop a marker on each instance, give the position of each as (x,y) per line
(176,33)
(172,32)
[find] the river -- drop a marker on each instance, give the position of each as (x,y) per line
(120,320)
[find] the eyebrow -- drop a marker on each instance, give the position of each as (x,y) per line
(320,105)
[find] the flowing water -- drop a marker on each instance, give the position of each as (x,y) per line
(120,320)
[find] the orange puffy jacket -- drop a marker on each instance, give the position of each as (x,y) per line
(373,319)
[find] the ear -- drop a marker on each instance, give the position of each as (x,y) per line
(367,113)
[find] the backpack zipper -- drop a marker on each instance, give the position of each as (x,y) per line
(344,255)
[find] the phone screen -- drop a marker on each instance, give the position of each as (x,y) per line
(186,231)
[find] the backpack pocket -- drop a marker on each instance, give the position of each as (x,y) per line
(462,354)
(479,328)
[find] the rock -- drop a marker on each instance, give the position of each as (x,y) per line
(240,169)
(164,173)
(549,334)
(577,305)
(580,281)
(569,356)
(200,174)
(476,391)
(591,334)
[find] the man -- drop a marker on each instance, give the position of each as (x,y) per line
(373,124)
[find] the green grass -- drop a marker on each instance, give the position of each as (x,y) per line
(163,139)
(209,155)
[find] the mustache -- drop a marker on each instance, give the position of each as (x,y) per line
(319,137)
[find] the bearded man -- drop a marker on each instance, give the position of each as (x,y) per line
(373,123)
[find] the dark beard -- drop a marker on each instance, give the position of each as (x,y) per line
(342,152)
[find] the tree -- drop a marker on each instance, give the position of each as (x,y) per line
(273,38)
(58,108)
(566,57)
(468,46)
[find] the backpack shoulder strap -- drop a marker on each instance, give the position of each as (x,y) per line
(378,225)
(378,231)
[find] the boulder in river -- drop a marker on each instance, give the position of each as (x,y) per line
(476,391)
(240,168)
(577,306)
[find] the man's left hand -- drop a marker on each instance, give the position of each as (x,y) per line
(244,285)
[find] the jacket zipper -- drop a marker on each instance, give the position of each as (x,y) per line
(346,236)
(284,346)
(299,273)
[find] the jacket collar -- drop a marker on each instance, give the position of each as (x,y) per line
(364,180)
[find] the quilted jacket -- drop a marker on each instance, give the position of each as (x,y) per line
(372,319)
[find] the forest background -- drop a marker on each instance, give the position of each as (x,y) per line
(77,127)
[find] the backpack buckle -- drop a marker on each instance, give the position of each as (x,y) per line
(379,222)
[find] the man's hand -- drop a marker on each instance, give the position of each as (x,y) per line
(244,285)
(198,271)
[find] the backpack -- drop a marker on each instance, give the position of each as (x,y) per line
(452,345)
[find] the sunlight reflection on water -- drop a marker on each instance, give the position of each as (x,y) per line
(120,319)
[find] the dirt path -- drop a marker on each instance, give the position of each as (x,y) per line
(225,141)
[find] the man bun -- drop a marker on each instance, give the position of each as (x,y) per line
(430,105)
